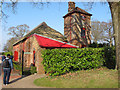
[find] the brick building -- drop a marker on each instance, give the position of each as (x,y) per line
(76,30)
(42,37)
(77,26)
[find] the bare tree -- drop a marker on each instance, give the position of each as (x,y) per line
(108,35)
(102,31)
(12,5)
(18,31)
(9,45)
(97,31)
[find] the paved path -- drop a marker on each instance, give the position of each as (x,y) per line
(16,81)
(26,82)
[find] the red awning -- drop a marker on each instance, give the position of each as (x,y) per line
(49,42)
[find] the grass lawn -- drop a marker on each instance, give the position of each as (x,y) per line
(95,78)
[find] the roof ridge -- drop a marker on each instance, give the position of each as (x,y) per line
(43,23)
(82,10)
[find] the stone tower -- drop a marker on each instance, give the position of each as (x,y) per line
(77,26)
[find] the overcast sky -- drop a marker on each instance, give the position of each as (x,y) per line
(51,13)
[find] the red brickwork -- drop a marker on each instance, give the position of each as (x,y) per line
(77,26)
(30,45)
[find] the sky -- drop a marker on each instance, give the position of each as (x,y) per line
(51,13)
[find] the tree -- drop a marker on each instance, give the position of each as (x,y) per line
(18,31)
(97,31)
(9,45)
(102,31)
(115,10)
(108,35)
(12,5)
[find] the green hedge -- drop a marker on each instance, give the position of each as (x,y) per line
(61,61)
(5,53)
(110,55)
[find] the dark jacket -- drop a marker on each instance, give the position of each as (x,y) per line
(3,57)
(11,63)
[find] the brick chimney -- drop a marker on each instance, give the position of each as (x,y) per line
(71,6)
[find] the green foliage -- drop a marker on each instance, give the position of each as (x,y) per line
(110,61)
(96,45)
(29,71)
(33,70)
(5,53)
(17,66)
(60,61)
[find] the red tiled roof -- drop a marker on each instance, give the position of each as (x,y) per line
(44,41)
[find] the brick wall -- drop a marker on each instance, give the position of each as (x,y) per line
(30,45)
(73,25)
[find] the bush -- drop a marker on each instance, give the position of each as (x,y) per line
(61,61)
(100,45)
(110,61)
(5,53)
(33,70)
(17,66)
(29,71)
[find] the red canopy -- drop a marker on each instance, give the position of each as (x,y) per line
(49,42)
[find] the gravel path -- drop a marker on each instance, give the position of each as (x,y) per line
(26,82)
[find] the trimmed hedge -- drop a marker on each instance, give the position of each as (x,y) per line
(110,57)
(5,53)
(60,61)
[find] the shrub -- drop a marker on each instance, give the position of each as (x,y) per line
(100,45)
(29,71)
(17,66)
(5,53)
(61,61)
(33,70)
(110,61)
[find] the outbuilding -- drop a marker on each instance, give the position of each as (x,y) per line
(34,42)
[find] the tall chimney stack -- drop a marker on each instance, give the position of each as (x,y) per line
(71,6)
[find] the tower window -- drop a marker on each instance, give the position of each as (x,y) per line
(83,32)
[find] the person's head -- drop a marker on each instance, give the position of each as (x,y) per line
(8,55)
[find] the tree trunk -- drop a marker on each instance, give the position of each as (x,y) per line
(119,34)
(114,12)
(110,35)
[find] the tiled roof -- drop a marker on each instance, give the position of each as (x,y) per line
(77,10)
(45,30)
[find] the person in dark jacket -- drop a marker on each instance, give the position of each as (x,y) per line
(11,57)
(3,57)
(7,71)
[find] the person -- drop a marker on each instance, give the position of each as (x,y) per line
(7,67)
(3,56)
(11,57)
